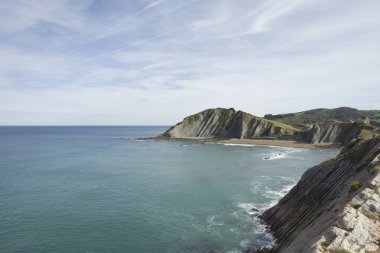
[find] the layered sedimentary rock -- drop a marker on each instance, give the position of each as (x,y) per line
(331,132)
(223,123)
(335,207)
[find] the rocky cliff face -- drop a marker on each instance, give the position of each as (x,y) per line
(331,132)
(335,207)
(227,123)
(223,123)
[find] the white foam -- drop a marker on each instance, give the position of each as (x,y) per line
(212,221)
(234,251)
(247,207)
(239,145)
(293,151)
(245,243)
(274,156)
(274,193)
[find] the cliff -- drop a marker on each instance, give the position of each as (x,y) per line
(339,133)
(335,207)
(223,123)
(226,123)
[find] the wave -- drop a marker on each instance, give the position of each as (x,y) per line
(277,195)
(275,156)
(264,238)
(281,154)
(212,222)
(239,145)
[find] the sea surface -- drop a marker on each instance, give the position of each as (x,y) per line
(99,189)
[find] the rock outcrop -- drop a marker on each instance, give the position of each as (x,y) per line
(334,132)
(335,207)
(225,123)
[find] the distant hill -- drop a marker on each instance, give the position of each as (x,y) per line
(343,114)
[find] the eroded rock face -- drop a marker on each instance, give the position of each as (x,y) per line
(223,123)
(332,132)
(325,212)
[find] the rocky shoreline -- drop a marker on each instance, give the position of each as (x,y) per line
(258,142)
(335,207)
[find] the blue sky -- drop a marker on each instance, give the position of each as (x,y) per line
(156,61)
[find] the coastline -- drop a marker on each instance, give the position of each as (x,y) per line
(278,143)
(259,142)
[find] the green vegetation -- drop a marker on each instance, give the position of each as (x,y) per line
(372,216)
(338,251)
(330,161)
(325,244)
(224,119)
(375,170)
(357,206)
(286,128)
(364,133)
(355,155)
(344,114)
(376,189)
(191,119)
(355,185)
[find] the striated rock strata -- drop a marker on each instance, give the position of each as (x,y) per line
(335,207)
(333,132)
(225,123)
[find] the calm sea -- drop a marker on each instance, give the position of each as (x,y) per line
(98,189)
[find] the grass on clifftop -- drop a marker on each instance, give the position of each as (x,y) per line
(322,114)
(285,127)
(338,251)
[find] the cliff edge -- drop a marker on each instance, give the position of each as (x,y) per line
(220,123)
(335,207)
(226,123)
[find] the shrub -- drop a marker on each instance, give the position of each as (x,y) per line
(372,216)
(355,185)
(339,251)
(325,244)
(375,170)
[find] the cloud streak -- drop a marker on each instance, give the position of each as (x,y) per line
(166,59)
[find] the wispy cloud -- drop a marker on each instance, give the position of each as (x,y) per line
(165,59)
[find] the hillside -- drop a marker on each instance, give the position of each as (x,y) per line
(221,123)
(335,207)
(227,123)
(344,114)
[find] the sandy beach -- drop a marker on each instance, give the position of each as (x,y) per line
(280,143)
(264,142)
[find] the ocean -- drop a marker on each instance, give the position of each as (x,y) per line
(99,189)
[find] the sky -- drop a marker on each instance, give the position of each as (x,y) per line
(153,62)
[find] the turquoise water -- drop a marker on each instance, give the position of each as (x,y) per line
(98,189)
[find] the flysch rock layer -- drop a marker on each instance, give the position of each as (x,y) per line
(223,123)
(335,207)
(332,132)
